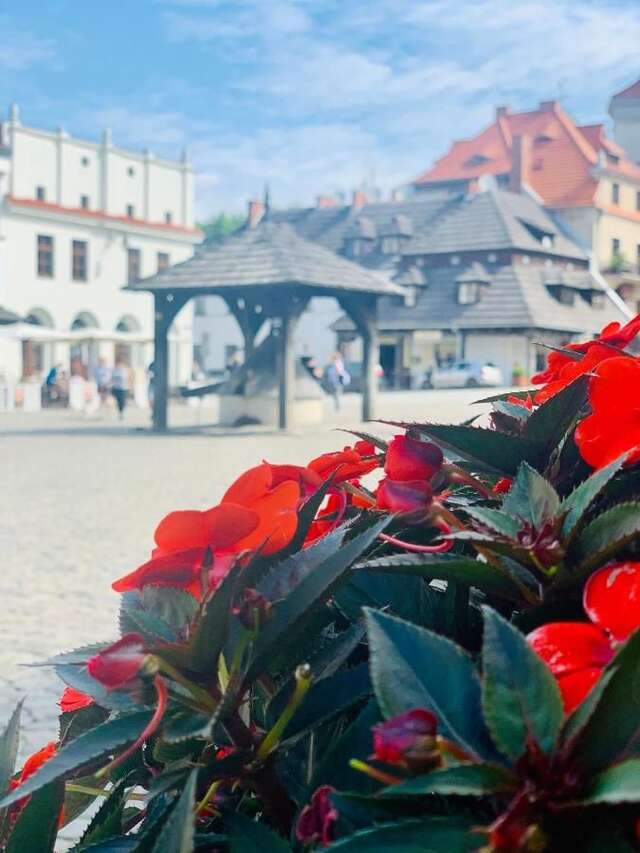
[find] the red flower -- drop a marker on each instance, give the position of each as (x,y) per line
(562,369)
(315,823)
(404,496)
(411,459)
(73,700)
(523,402)
(577,652)
(31,765)
(408,739)
(346,464)
(328,516)
(502,486)
(613,428)
(118,664)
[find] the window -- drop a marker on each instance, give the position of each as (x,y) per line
(133,265)
(468,292)
(79,260)
(638,200)
(41,193)
(597,299)
(615,193)
(168,217)
(45,256)
(615,246)
(163,261)
(84,202)
(131,211)
(390,245)
(84,161)
(200,307)
(131,171)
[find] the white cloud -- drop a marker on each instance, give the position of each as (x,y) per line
(21,48)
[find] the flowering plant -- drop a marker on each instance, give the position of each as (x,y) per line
(423,644)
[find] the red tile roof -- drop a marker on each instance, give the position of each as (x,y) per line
(563,155)
(632,91)
(99,214)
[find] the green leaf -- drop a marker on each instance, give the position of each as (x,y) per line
(612,732)
(531,497)
(606,534)
(512,410)
(433,835)
(520,697)
(37,825)
(415,668)
(93,745)
(77,676)
(179,828)
(549,422)
(107,821)
(489,450)
(248,836)
(580,716)
(378,442)
(132,618)
(521,395)
(354,742)
(501,522)
(286,575)
(306,515)
(290,615)
(78,656)
(9,748)
(467,570)
(576,504)
(465,780)
(618,784)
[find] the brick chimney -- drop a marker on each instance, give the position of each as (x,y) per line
(502,112)
(358,199)
(326,200)
(520,163)
(255,212)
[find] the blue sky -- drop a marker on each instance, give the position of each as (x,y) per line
(311,95)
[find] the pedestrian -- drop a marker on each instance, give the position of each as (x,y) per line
(336,378)
(102,376)
(120,386)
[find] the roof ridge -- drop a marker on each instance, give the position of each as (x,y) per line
(578,138)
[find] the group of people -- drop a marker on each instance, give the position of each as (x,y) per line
(113,382)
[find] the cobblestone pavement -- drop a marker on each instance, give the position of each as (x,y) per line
(78,505)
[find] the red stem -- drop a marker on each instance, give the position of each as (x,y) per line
(447,545)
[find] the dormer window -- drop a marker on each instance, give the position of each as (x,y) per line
(562,294)
(545,238)
(390,245)
(468,292)
(410,296)
(476,160)
(597,299)
(543,138)
(359,238)
(613,159)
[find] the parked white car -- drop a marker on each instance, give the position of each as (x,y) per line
(464,374)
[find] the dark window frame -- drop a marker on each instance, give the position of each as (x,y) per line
(615,193)
(131,211)
(134,265)
(41,193)
(85,202)
(45,248)
(162,261)
(79,260)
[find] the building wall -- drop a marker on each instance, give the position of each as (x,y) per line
(111,178)
(626,125)
(504,350)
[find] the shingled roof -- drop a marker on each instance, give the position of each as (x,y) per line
(492,220)
(516,297)
(268,255)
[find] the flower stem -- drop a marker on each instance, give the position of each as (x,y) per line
(374,773)
(197,692)
(446,545)
(272,738)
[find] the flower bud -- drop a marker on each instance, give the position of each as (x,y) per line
(253,610)
(404,496)
(409,740)
(316,820)
(120,663)
(412,459)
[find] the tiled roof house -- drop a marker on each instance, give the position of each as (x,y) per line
(574,169)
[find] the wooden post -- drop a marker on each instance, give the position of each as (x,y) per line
(166,306)
(286,369)
(370,355)
(363,311)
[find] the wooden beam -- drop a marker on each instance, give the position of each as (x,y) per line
(363,311)
(286,370)
(166,306)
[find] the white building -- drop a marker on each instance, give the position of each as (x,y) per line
(78,220)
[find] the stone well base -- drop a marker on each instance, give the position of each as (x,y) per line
(264,408)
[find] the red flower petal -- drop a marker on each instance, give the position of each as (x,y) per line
(568,647)
(250,486)
(35,761)
(277,511)
(119,663)
(612,599)
(73,700)
(575,686)
(181,569)
(229,522)
(344,464)
(410,459)
(404,496)
(182,529)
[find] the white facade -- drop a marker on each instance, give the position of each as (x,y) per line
(118,214)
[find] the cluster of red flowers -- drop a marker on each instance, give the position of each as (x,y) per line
(577,652)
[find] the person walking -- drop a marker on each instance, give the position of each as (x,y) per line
(336,378)
(120,386)
(102,376)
